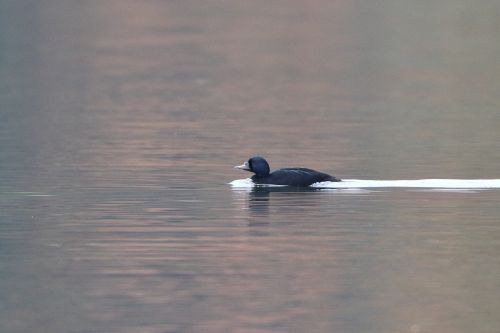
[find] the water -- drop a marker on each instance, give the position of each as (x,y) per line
(120,122)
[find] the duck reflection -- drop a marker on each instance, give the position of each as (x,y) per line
(262,202)
(258,201)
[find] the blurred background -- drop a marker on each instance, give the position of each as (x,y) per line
(120,122)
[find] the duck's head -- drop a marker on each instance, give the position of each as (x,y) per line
(257,165)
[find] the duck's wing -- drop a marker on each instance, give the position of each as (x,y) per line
(297,177)
(318,176)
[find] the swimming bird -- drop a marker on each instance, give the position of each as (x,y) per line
(285,176)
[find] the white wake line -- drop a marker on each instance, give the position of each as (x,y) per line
(416,183)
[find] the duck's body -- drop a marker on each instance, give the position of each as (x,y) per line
(285,176)
(294,177)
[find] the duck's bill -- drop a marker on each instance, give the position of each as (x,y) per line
(244,166)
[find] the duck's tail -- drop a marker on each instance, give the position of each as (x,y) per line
(333,179)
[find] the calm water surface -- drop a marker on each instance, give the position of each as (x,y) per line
(120,122)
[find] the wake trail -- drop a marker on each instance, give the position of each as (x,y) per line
(416,183)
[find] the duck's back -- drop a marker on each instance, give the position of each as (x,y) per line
(294,177)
